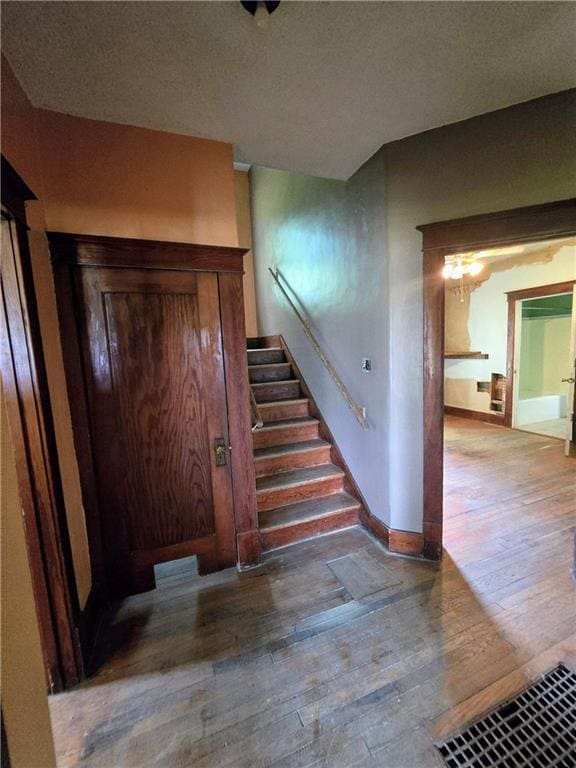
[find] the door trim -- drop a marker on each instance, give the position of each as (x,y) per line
(70,251)
(32,433)
(549,221)
(513,298)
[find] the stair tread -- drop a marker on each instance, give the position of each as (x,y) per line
(272,451)
(297,477)
(264,349)
(273,383)
(271,425)
(311,509)
(277,403)
(268,365)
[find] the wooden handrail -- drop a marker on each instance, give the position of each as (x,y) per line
(356,409)
(257,421)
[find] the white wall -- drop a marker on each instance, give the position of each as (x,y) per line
(372,302)
(544,356)
(487,324)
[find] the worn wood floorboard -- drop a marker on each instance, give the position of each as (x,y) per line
(285,666)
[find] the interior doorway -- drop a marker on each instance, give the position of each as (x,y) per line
(541,400)
(534,224)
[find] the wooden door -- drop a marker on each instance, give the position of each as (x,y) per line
(154,372)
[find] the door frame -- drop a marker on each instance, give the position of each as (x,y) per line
(570,446)
(33,438)
(549,221)
(72,251)
(513,298)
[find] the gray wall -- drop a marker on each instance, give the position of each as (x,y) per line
(352,253)
(328,240)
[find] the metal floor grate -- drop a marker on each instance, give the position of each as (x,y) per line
(536,729)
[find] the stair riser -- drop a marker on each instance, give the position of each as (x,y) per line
(262,342)
(280,497)
(272,391)
(262,356)
(272,538)
(271,373)
(290,461)
(263,438)
(285,411)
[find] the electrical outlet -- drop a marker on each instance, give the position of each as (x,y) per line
(366,364)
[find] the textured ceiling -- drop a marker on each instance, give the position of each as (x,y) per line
(318,90)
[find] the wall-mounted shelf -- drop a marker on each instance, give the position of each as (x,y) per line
(465,356)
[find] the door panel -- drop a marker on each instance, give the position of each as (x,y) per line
(158,390)
(153,359)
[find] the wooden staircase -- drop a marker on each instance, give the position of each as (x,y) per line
(303,487)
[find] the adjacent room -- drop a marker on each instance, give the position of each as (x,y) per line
(288,384)
(509,336)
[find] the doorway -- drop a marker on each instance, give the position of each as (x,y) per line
(442,239)
(543,330)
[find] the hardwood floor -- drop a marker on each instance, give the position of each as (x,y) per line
(334,653)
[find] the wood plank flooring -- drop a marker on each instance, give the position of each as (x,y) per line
(283,667)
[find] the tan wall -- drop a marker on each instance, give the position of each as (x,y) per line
(107,179)
(24,700)
(20,147)
(244,221)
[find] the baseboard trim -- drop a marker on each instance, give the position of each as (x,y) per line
(249,548)
(399,542)
(465,413)
(406,542)
(376,527)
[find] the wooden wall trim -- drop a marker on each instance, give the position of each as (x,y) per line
(433,370)
(530,224)
(378,528)
(465,413)
(239,423)
(15,191)
(541,290)
(409,543)
(77,399)
(125,252)
(30,418)
(521,225)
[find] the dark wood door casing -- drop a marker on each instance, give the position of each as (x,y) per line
(162,375)
(32,433)
(549,221)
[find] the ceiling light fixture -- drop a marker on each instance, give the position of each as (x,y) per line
(261,11)
(457,267)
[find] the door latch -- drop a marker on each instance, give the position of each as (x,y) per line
(220,451)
